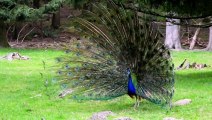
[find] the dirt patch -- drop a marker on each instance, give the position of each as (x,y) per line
(44,43)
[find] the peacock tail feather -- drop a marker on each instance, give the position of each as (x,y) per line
(116,40)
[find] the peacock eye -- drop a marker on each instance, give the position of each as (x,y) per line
(64,86)
(58,59)
(78,45)
(81,78)
(85,65)
(77,54)
(54,80)
(67,51)
(67,66)
(77,69)
(59,72)
(69,74)
(95,57)
(110,62)
(103,54)
(88,74)
(97,77)
(88,47)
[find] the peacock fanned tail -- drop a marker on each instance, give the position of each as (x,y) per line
(116,40)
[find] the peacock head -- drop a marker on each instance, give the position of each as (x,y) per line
(128,71)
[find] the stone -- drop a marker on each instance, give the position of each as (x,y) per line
(182,102)
(101,115)
(123,118)
(14,55)
(169,118)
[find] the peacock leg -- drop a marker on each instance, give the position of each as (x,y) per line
(136,102)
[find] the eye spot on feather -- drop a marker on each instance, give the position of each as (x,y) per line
(97,77)
(82,78)
(88,47)
(85,65)
(67,67)
(64,86)
(67,51)
(85,36)
(95,57)
(102,54)
(77,69)
(78,54)
(78,45)
(59,72)
(88,75)
(54,80)
(58,59)
(110,62)
(69,74)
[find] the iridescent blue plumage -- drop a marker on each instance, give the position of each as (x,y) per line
(131,86)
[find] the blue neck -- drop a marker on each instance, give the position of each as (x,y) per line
(131,87)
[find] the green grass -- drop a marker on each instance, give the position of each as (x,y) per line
(23,95)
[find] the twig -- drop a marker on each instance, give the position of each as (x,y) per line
(20,32)
(27,34)
(181,65)
(150,12)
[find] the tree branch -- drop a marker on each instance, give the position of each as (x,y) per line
(146,11)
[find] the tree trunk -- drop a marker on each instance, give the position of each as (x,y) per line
(172,40)
(56,19)
(209,47)
(194,39)
(18,26)
(3,37)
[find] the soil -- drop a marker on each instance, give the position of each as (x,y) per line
(44,43)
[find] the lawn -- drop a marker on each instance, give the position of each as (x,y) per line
(24,95)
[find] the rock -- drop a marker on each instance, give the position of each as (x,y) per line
(169,118)
(123,118)
(15,55)
(101,115)
(182,102)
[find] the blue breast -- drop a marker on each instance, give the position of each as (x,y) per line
(131,87)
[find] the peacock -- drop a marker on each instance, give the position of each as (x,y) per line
(120,53)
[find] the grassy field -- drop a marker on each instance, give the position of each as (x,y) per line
(23,95)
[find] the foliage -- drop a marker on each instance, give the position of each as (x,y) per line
(24,96)
(20,10)
(182,7)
